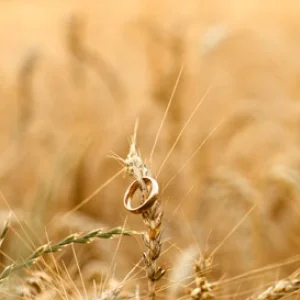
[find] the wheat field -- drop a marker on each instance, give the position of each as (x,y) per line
(209,89)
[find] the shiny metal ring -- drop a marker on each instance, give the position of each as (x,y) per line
(151,199)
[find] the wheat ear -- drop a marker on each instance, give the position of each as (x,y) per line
(74,238)
(152,218)
(203,288)
(280,289)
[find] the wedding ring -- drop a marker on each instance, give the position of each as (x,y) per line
(151,199)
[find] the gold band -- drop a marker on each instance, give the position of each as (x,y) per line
(153,195)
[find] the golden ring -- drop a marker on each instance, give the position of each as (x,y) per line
(150,199)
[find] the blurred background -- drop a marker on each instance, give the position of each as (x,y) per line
(74,78)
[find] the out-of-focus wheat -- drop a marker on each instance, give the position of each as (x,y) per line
(280,289)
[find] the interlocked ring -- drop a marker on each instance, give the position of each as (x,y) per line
(152,197)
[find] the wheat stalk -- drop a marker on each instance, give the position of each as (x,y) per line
(74,238)
(25,81)
(84,56)
(152,217)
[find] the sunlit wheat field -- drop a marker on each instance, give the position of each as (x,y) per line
(200,98)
